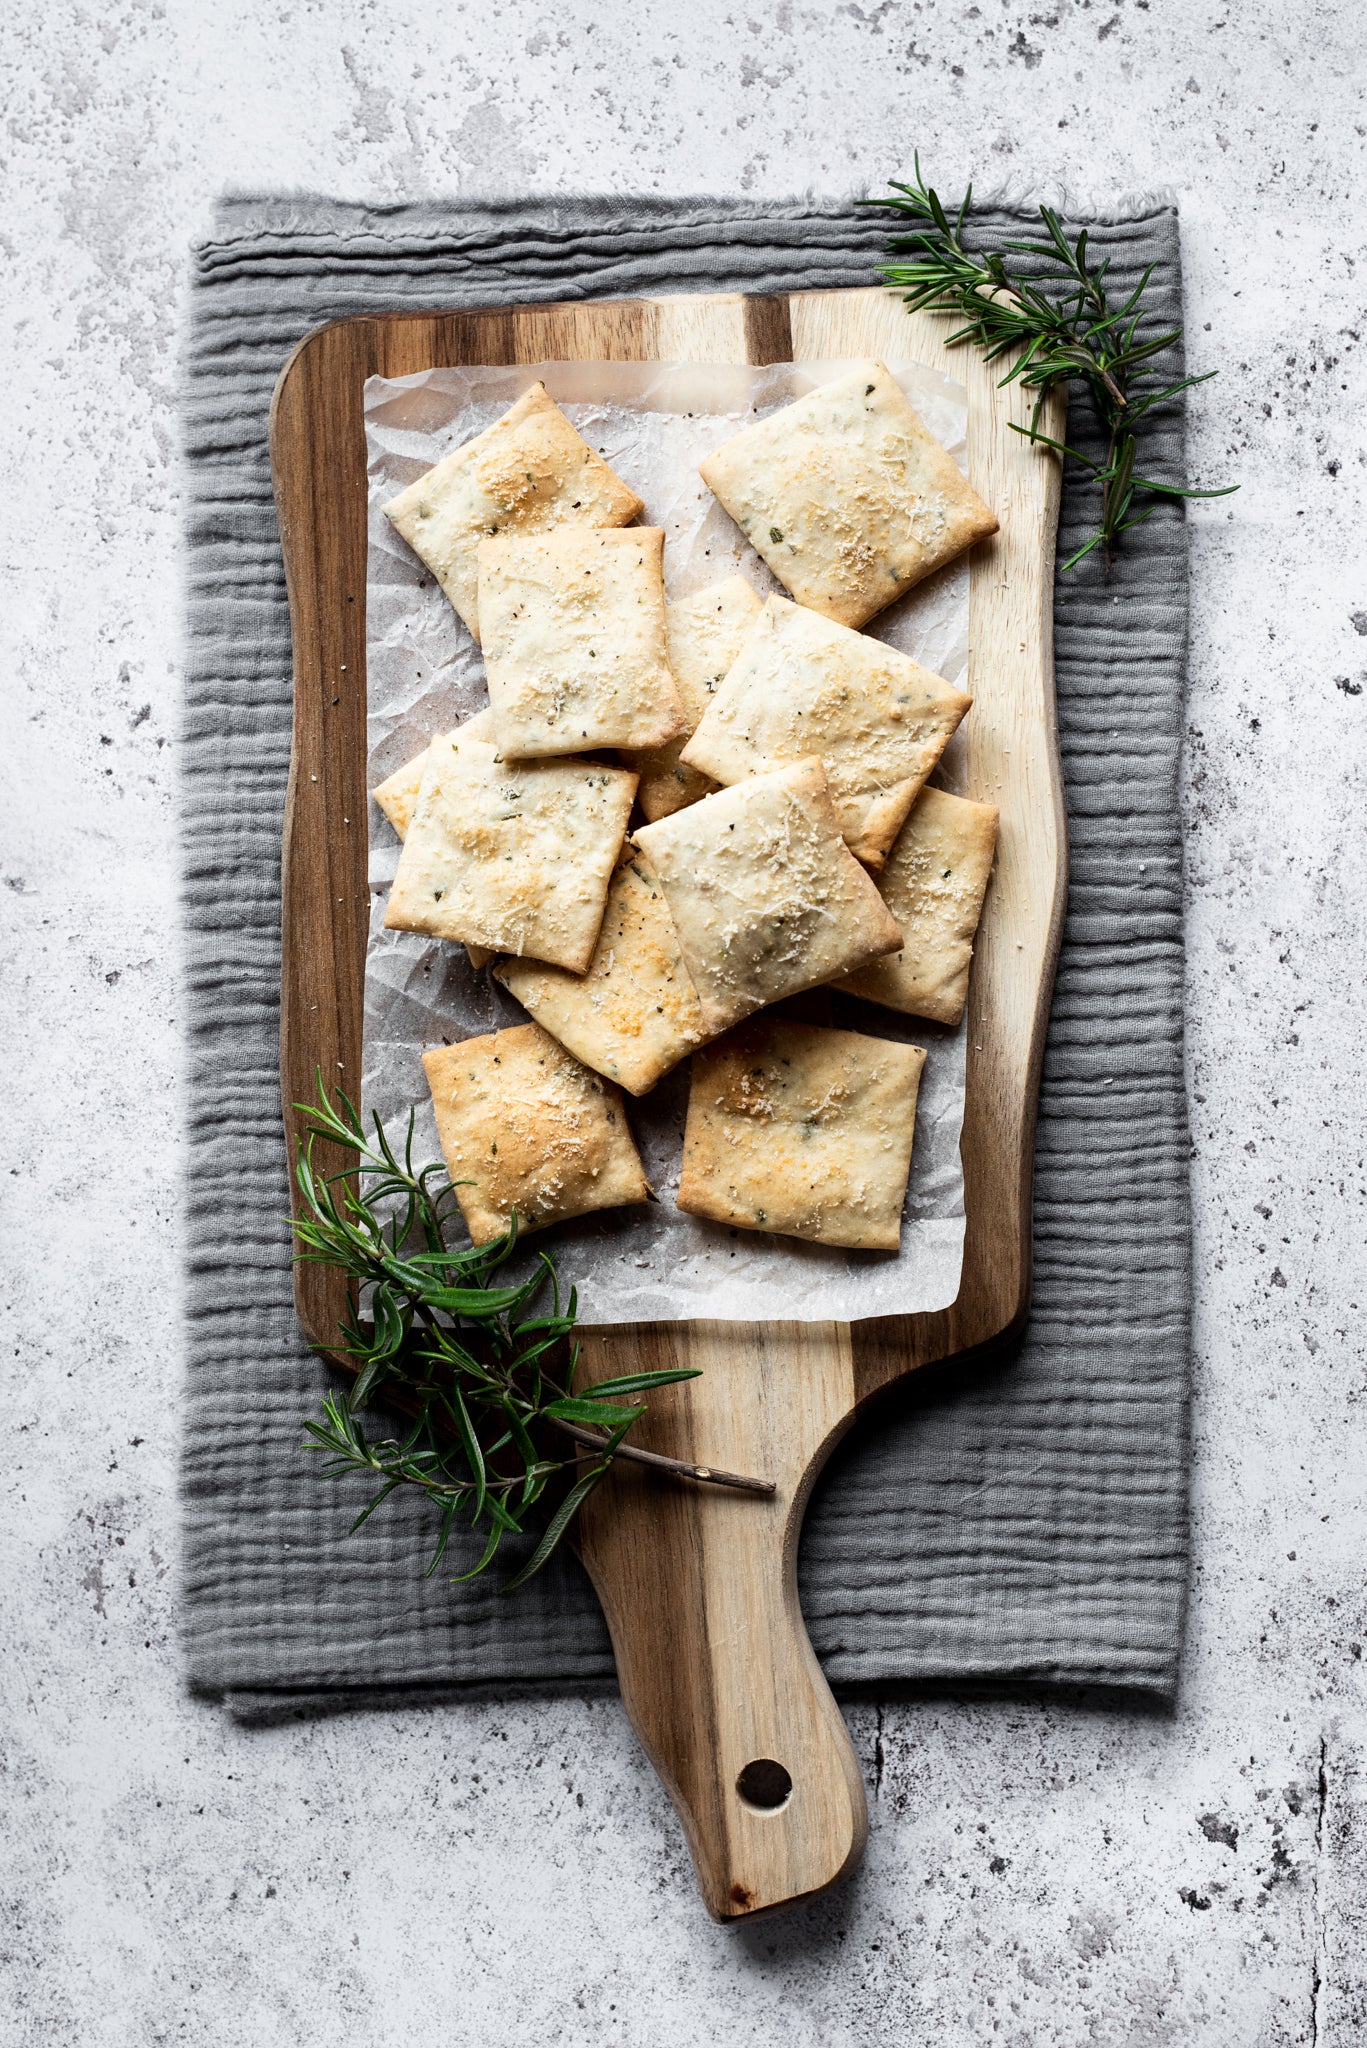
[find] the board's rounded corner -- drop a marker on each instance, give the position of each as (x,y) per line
(1006,1322)
(1009,1331)
(314,337)
(301,354)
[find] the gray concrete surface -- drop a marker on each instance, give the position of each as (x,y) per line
(1037,1874)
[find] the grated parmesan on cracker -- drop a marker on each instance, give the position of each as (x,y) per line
(847,496)
(802,685)
(513,856)
(529,471)
(635,1013)
(526,1130)
(574,641)
(765,893)
(802,1130)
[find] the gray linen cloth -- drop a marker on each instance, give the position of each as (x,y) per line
(1019,1522)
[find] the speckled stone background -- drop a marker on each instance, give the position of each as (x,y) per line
(1039,1872)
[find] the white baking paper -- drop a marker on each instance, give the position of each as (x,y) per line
(653,422)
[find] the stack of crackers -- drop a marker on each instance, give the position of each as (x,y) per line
(672,817)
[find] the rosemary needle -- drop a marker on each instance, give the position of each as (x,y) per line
(1061,320)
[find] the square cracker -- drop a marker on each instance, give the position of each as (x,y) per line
(933,884)
(705,633)
(802,1130)
(574,640)
(528,471)
(847,496)
(803,685)
(635,1014)
(398,793)
(514,856)
(764,892)
(524,1127)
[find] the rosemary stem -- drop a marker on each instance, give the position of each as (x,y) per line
(680,1467)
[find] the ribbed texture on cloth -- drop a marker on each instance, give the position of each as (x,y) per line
(1018,1523)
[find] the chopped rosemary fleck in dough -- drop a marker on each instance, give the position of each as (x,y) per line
(934,884)
(635,1014)
(513,856)
(802,1130)
(526,1129)
(804,685)
(527,472)
(847,496)
(573,624)
(705,634)
(765,895)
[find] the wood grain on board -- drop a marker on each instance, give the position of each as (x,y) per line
(698,1584)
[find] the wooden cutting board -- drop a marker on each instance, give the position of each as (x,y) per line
(699,1584)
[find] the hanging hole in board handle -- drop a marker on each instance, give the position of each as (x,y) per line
(765,1785)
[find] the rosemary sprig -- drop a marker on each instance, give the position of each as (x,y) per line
(1066,329)
(482,1375)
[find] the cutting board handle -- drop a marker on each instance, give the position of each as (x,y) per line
(699,1585)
